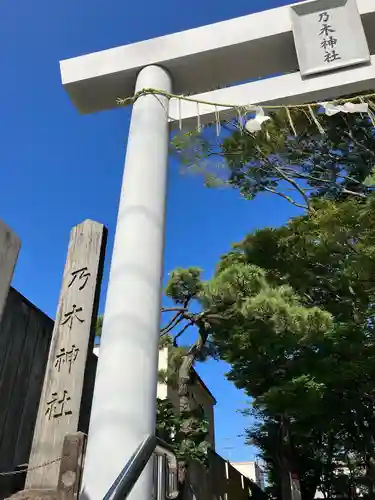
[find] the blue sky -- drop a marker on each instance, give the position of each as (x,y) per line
(58,168)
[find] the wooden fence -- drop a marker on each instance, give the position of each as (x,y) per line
(221,481)
(25,336)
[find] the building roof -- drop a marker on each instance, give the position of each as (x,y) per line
(201,382)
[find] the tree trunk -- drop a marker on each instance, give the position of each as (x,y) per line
(184,376)
(184,379)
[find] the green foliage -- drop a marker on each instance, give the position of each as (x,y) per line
(263,328)
(330,164)
(99,326)
(328,256)
(165,341)
(169,427)
(167,420)
(163,376)
(188,434)
(291,310)
(300,340)
(370,179)
(175,357)
(290,157)
(184,284)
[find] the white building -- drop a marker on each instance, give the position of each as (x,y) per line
(252,471)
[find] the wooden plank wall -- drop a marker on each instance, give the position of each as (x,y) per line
(220,482)
(25,336)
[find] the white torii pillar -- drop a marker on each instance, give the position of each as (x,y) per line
(125,388)
(258,45)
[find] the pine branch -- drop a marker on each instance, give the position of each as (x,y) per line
(172,309)
(287,179)
(332,183)
(286,197)
(175,320)
(172,324)
(181,332)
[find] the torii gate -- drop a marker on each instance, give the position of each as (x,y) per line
(193,61)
